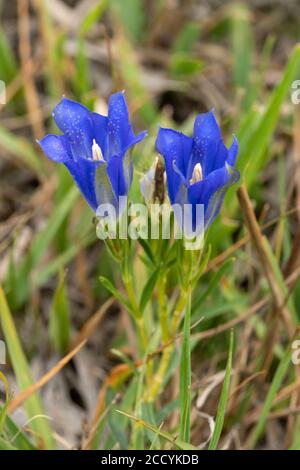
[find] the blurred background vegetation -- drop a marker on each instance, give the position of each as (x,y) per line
(174,58)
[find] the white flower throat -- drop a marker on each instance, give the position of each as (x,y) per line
(197,174)
(96,151)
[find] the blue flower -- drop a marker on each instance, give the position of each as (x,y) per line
(96,149)
(199,169)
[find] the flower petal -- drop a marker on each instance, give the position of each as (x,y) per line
(217,198)
(83,172)
(120,132)
(103,187)
(135,140)
(55,147)
(233,151)
(209,149)
(74,120)
(116,175)
(211,191)
(127,158)
(176,148)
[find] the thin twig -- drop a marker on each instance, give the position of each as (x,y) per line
(25,394)
(90,326)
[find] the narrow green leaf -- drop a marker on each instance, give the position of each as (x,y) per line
(33,405)
(254,156)
(20,275)
(8,66)
(58,262)
(59,326)
(223,399)
(147,249)
(185,376)
(15,436)
(148,289)
(5,445)
(114,291)
(187,37)
(165,435)
(61,211)
(280,373)
(280,279)
(241,44)
(132,16)
(24,152)
(82,81)
(93,16)
(214,283)
(183,65)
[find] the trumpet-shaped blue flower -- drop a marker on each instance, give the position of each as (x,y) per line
(199,169)
(96,149)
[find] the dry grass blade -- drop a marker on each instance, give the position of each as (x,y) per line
(296,154)
(90,326)
(218,260)
(16,402)
(257,239)
(32,100)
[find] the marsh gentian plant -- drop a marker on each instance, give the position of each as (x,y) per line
(96,149)
(199,169)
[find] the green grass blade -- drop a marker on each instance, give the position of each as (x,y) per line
(148,289)
(43,239)
(185,376)
(242,45)
(132,16)
(223,399)
(33,405)
(38,248)
(15,436)
(93,16)
(8,66)
(60,325)
(5,445)
(22,150)
(114,291)
(254,156)
(280,373)
(165,435)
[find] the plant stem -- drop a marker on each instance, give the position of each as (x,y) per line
(139,319)
(137,313)
(180,306)
(163,310)
(166,336)
(185,374)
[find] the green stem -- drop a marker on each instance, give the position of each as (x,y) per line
(163,310)
(138,314)
(185,374)
(166,337)
(180,306)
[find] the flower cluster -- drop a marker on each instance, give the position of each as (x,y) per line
(97,150)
